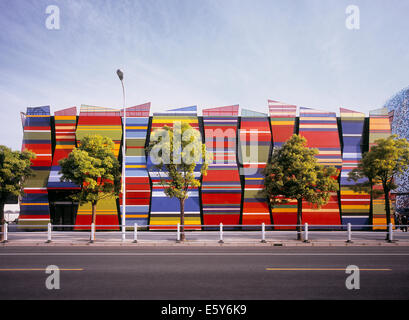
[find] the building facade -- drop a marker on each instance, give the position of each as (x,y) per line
(230,193)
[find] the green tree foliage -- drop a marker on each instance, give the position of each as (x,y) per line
(388,158)
(94,167)
(14,170)
(294,173)
(175,154)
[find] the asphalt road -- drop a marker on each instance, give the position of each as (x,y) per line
(204,273)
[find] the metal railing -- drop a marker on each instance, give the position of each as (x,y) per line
(303,231)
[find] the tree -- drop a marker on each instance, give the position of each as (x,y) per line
(388,158)
(294,173)
(95,168)
(14,170)
(175,154)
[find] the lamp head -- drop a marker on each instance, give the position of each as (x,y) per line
(120,74)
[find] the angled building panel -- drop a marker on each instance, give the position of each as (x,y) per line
(321,131)
(354,205)
(283,126)
(65,125)
(165,211)
(138,189)
(379,127)
(104,122)
(255,145)
(34,205)
(221,187)
(282,118)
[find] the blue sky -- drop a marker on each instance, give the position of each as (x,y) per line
(208,53)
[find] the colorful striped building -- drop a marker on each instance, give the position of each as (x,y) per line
(221,187)
(283,126)
(321,131)
(165,211)
(231,192)
(138,188)
(355,206)
(34,205)
(255,147)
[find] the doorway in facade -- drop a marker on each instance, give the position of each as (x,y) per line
(63,214)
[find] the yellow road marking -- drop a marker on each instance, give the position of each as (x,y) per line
(38,269)
(321,269)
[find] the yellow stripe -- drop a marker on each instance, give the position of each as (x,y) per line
(65,117)
(348,192)
(39,269)
(321,269)
(132,127)
(355,206)
(278,209)
(281,123)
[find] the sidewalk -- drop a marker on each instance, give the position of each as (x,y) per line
(206,238)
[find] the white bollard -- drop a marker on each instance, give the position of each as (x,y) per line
(178,233)
(349,233)
(306,232)
(221,233)
(123,232)
(5,232)
(92,232)
(48,233)
(390,232)
(263,233)
(135,233)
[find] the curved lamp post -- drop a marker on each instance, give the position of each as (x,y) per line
(120,74)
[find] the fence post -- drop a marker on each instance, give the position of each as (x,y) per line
(178,233)
(135,233)
(221,233)
(390,233)
(349,233)
(48,233)
(306,232)
(5,232)
(123,232)
(92,233)
(263,233)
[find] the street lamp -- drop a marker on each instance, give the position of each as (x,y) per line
(120,74)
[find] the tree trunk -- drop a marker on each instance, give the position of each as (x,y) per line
(387,210)
(371,205)
(299,219)
(182,219)
(93,215)
(2,220)
(94,209)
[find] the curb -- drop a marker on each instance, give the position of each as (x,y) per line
(208,244)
